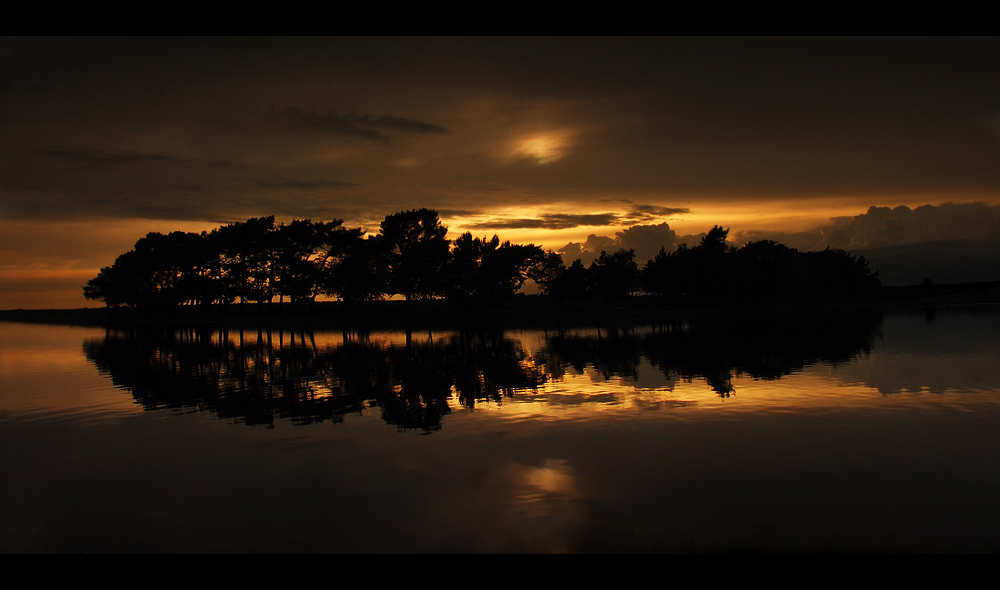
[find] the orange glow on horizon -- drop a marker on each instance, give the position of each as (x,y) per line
(776,215)
(41,272)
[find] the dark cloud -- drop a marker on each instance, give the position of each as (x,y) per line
(94,157)
(635,216)
(885,227)
(223,165)
(62,206)
(458,212)
(350,124)
(945,261)
(511,224)
(124,158)
(589,250)
(953,242)
(39,89)
(646,213)
(281,182)
(645,240)
(296,118)
(400,124)
(658,210)
(554,221)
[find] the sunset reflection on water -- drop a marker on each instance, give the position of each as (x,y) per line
(615,439)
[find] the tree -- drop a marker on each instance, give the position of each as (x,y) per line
(119,284)
(571,283)
(614,276)
(505,269)
(415,251)
(768,271)
(707,268)
(307,253)
(656,277)
(353,270)
(692,275)
(715,240)
(247,261)
(837,275)
(466,257)
(488,269)
(546,271)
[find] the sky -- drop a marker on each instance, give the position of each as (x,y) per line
(886,147)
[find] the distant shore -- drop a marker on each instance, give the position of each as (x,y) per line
(522,311)
(945,294)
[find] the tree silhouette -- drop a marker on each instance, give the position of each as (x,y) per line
(546,272)
(161,270)
(296,271)
(256,260)
(247,263)
(715,240)
(488,269)
(769,271)
(656,276)
(356,272)
(763,272)
(614,276)
(310,254)
(571,283)
(837,275)
(119,284)
(415,250)
(466,256)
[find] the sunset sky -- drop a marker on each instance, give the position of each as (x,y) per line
(573,144)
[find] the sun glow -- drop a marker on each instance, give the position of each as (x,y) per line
(543,149)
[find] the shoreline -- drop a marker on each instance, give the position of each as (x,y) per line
(520,312)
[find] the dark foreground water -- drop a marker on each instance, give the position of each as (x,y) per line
(834,433)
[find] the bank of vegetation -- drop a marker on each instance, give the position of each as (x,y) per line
(259,261)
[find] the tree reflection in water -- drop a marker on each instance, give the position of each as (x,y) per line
(258,377)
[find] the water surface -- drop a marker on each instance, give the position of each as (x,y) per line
(830,433)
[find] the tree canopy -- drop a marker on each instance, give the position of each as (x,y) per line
(415,252)
(258,260)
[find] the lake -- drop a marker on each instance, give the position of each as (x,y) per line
(861,432)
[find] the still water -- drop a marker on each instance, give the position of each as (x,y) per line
(874,433)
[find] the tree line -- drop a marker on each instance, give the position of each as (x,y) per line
(259,260)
